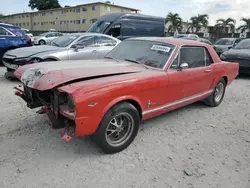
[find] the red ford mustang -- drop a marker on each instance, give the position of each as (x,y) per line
(139,79)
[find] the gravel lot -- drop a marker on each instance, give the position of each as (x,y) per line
(195,146)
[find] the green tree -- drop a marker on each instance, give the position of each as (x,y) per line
(175,22)
(44,4)
(109,2)
(245,26)
(197,22)
(223,25)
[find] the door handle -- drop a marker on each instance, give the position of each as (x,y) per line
(208,70)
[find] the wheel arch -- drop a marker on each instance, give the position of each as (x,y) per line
(226,79)
(130,99)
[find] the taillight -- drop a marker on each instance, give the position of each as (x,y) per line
(28,40)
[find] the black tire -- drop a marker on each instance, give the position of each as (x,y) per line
(101,135)
(49,59)
(211,100)
(42,42)
(9,70)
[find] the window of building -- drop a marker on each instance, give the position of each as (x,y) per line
(23,24)
(67,21)
(23,16)
(28,23)
(27,15)
(84,21)
(71,21)
(93,8)
(77,21)
(62,11)
(107,8)
(43,14)
(84,9)
(33,23)
(78,10)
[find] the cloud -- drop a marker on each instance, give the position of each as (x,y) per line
(186,8)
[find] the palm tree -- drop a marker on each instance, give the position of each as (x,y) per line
(224,24)
(197,22)
(246,26)
(175,22)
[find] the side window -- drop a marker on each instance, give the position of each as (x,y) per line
(208,58)
(4,32)
(88,41)
(50,35)
(115,31)
(105,41)
(193,56)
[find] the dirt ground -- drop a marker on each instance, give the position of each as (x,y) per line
(196,146)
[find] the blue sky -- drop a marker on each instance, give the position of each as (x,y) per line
(186,8)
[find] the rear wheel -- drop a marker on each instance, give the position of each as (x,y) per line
(42,42)
(218,94)
(118,128)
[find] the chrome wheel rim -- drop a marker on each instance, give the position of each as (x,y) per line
(119,129)
(218,94)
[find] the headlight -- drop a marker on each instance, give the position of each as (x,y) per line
(35,60)
(222,57)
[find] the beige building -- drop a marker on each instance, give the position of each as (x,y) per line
(75,18)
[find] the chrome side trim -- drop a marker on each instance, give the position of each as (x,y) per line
(176,102)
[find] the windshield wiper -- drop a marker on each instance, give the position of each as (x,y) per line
(137,62)
(55,44)
(107,57)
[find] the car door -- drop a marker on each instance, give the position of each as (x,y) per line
(198,77)
(84,48)
(3,35)
(104,45)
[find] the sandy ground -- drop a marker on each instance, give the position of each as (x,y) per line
(195,146)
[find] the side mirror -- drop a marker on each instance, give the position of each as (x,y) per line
(183,66)
(75,47)
(230,47)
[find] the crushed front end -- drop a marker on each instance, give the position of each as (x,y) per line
(59,106)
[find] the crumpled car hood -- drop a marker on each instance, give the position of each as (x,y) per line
(48,75)
(33,50)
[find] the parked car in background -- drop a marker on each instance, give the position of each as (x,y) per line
(127,25)
(224,44)
(45,38)
(187,36)
(139,79)
(27,32)
(199,40)
(78,46)
(12,37)
(241,54)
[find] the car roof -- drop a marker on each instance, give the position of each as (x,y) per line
(9,26)
(174,41)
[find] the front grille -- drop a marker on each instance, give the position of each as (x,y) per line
(242,62)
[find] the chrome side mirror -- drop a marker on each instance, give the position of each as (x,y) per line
(183,66)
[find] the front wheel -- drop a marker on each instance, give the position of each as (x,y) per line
(218,94)
(42,42)
(118,128)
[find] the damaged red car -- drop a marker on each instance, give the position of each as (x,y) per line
(139,79)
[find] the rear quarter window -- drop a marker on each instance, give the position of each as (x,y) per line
(16,31)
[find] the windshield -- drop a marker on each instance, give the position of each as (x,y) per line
(225,42)
(99,27)
(150,53)
(244,44)
(64,41)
